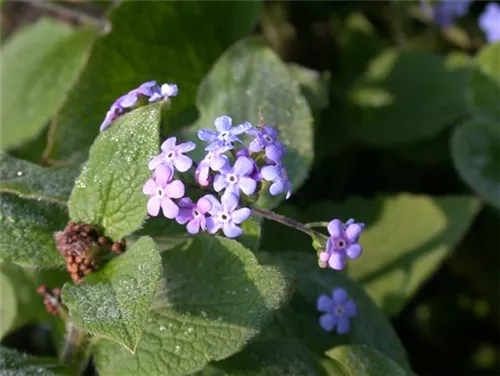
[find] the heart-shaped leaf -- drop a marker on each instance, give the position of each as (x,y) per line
(27,226)
(52,57)
(212,299)
(475,148)
(113,302)
(360,360)
(167,41)
(108,192)
(28,180)
(386,97)
(248,78)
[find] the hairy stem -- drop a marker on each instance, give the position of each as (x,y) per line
(288,222)
(73,341)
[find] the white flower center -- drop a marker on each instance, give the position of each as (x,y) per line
(339,310)
(232,179)
(340,243)
(225,217)
(268,139)
(160,193)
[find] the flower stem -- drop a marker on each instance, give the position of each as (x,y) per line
(73,341)
(316,224)
(288,222)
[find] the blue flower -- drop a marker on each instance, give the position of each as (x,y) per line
(337,311)
(266,138)
(226,134)
(237,178)
(173,155)
(194,214)
(342,243)
(164,92)
(446,11)
(214,160)
(278,175)
(225,216)
(489,22)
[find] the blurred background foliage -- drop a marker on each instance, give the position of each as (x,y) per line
(407,139)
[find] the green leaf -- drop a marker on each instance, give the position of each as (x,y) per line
(313,84)
(27,226)
(475,148)
(250,77)
(169,42)
(212,299)
(251,234)
(8,307)
(39,64)
(406,239)
(370,327)
(387,97)
(108,192)
(13,363)
(359,360)
(28,180)
(485,81)
(114,301)
(268,358)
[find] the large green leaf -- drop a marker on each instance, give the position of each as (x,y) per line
(28,180)
(15,363)
(359,360)
(371,327)
(387,97)
(39,64)
(405,240)
(108,192)
(485,81)
(27,231)
(268,358)
(167,41)
(114,301)
(475,148)
(213,298)
(313,84)
(248,78)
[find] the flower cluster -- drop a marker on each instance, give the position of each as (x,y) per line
(235,172)
(147,92)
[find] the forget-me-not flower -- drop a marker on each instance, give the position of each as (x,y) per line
(226,134)
(489,22)
(278,175)
(162,192)
(237,178)
(342,243)
(225,216)
(173,155)
(266,138)
(337,310)
(194,214)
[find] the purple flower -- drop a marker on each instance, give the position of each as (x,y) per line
(267,138)
(226,134)
(337,311)
(194,214)
(343,241)
(162,192)
(255,174)
(225,216)
(489,22)
(164,92)
(214,160)
(278,175)
(236,178)
(446,11)
(172,155)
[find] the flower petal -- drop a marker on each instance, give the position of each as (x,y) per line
(241,215)
(218,162)
(182,163)
(350,309)
(353,231)
(163,174)
(339,295)
(247,185)
(219,183)
(335,228)
(223,123)
(270,173)
(274,153)
(175,189)
(186,147)
(354,251)
(343,325)
(231,230)
(169,144)
(207,135)
(243,166)
(241,128)
(256,145)
(230,201)
(150,187)
(212,225)
(324,256)
(154,206)
(204,205)
(193,226)
(155,162)
(184,216)
(170,209)
(328,321)
(337,261)
(324,303)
